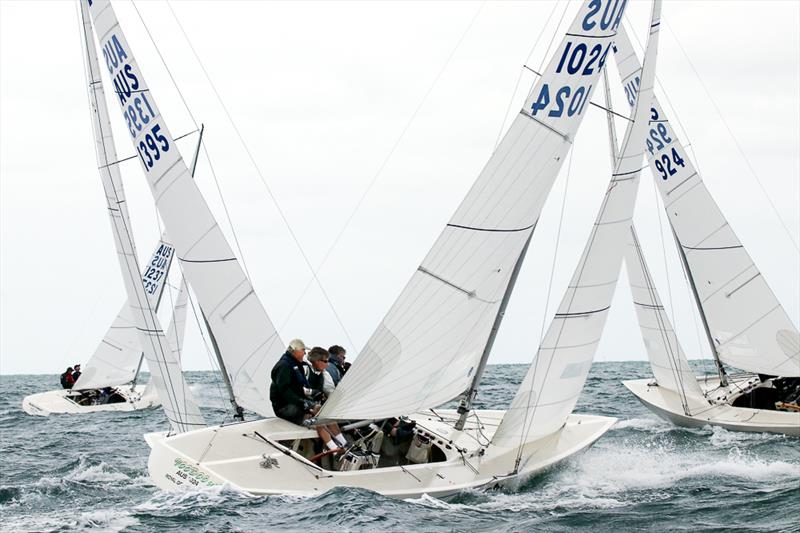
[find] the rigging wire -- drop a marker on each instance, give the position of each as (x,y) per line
(378,173)
(240,253)
(735,140)
(524,434)
(214,366)
(521,72)
(263,179)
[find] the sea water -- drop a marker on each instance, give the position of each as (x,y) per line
(81,473)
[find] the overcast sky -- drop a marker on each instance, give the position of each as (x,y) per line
(331,96)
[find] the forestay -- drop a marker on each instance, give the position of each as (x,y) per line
(750,328)
(554,380)
(428,345)
(667,359)
(117,357)
(247,340)
(164,368)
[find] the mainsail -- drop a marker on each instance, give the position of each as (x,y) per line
(667,359)
(554,380)
(117,358)
(246,337)
(750,329)
(165,370)
(428,346)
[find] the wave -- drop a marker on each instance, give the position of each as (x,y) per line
(107,520)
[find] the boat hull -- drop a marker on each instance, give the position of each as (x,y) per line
(667,404)
(59,402)
(244,456)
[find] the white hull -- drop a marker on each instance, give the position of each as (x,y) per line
(236,454)
(667,404)
(59,401)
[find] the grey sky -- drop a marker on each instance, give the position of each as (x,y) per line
(321,92)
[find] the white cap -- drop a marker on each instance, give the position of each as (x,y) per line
(297,344)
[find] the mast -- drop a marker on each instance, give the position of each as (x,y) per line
(238,412)
(237,409)
(466,402)
(723,378)
(612,130)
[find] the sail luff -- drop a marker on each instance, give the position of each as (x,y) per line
(246,337)
(428,346)
(551,386)
(749,327)
(466,404)
(165,370)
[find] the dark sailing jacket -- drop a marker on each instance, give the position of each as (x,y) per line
(287,383)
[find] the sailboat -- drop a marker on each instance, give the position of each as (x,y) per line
(434,342)
(109,380)
(746,326)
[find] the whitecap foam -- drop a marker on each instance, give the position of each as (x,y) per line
(99,473)
(722,438)
(189,498)
(107,520)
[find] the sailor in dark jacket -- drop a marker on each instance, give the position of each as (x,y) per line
(289,386)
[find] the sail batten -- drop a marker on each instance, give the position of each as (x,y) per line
(747,326)
(428,348)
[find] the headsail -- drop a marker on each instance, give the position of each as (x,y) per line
(750,328)
(116,359)
(429,344)
(246,337)
(667,359)
(556,377)
(164,368)
(175,332)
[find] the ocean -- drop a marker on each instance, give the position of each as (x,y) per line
(89,473)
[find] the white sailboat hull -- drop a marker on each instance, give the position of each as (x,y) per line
(238,455)
(60,402)
(667,404)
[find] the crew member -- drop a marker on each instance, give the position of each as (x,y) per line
(287,392)
(66,378)
(337,368)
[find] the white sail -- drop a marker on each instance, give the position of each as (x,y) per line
(165,370)
(175,331)
(750,328)
(116,359)
(247,340)
(427,347)
(667,359)
(556,377)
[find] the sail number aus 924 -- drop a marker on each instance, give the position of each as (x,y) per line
(658,140)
